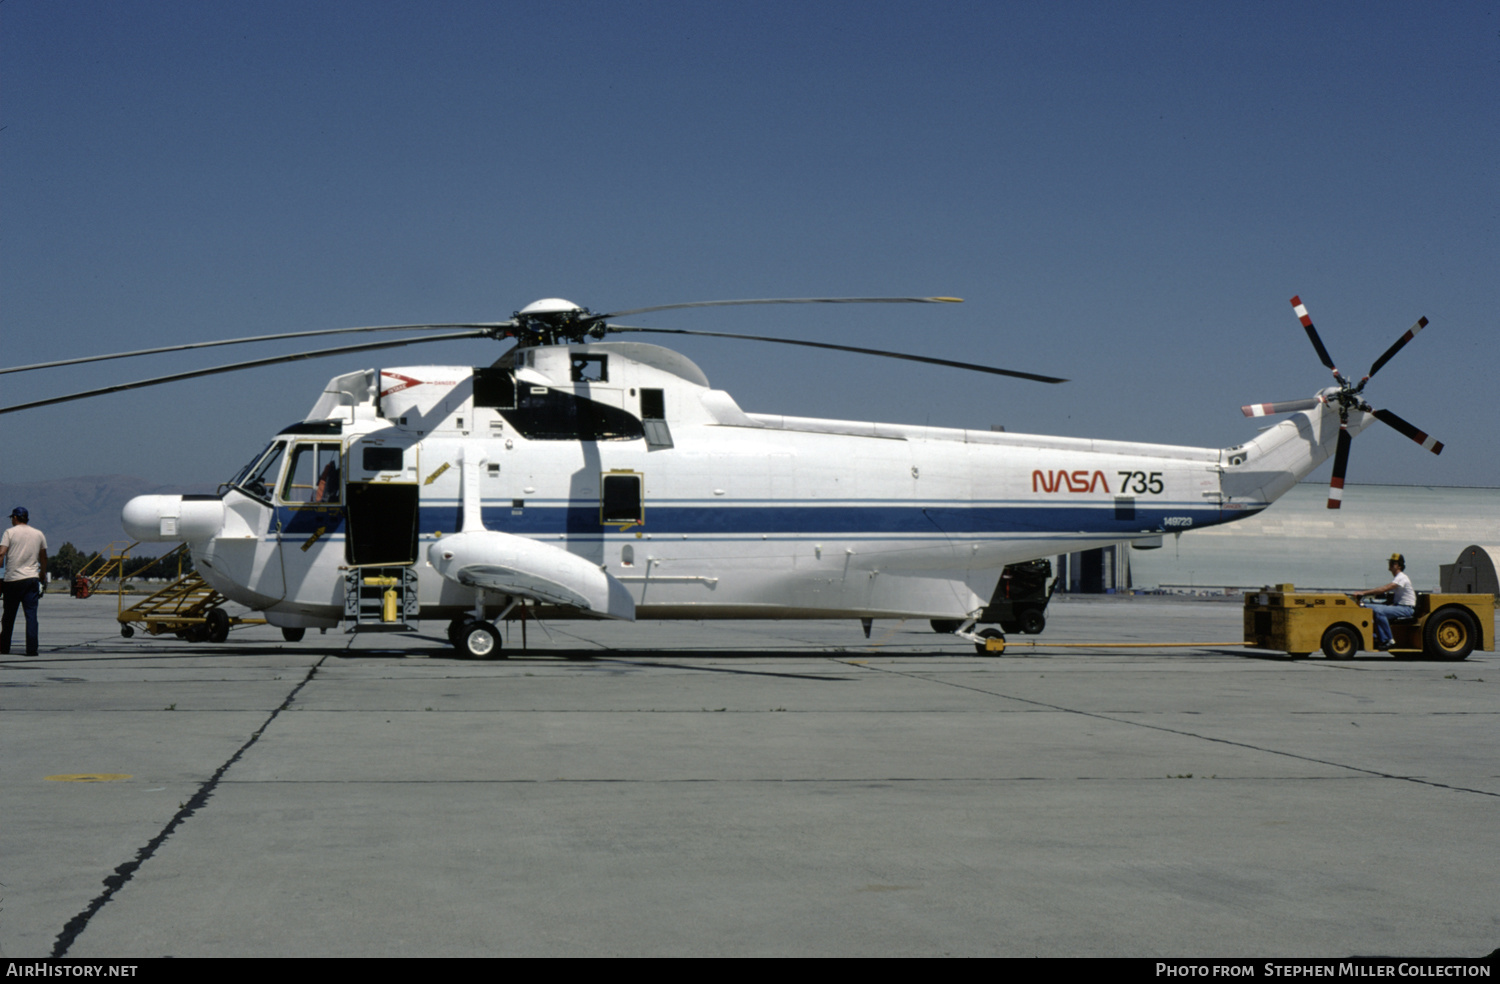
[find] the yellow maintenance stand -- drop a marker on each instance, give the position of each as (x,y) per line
(1445,626)
(188,607)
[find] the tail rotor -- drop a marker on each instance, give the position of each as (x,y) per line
(1347,396)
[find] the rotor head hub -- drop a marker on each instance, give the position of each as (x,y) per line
(554,319)
(549,305)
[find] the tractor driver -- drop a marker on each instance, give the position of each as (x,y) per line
(1403,601)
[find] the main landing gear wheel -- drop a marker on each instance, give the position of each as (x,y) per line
(946,625)
(292,635)
(1340,642)
(1033,621)
(1450,635)
(992,637)
(216,620)
(455,633)
(479,640)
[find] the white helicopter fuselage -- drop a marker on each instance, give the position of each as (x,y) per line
(610,480)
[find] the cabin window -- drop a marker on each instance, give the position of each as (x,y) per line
(620,499)
(313,476)
(654,420)
(653,404)
(377,459)
(590,368)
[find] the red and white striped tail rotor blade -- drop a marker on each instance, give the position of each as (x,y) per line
(1290,406)
(1400,344)
(1340,466)
(1421,437)
(1312,334)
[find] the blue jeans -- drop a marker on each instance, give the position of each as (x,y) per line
(23,593)
(1383,614)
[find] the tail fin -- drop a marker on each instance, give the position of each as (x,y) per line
(1263,470)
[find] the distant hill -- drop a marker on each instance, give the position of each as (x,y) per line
(84,511)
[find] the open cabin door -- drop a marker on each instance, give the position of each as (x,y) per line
(382,501)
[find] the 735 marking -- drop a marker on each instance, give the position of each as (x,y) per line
(1144,483)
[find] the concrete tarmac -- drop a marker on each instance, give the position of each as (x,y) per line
(744,788)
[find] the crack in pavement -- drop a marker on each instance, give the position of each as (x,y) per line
(1186,734)
(125,872)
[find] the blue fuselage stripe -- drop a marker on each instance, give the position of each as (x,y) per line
(835,520)
(985,520)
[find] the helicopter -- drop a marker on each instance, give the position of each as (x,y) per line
(583,476)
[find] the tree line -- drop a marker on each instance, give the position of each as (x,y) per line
(68,562)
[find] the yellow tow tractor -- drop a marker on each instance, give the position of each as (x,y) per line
(1444,627)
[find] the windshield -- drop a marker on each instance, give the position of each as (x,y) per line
(239,476)
(259,476)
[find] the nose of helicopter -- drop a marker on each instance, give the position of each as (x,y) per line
(172,518)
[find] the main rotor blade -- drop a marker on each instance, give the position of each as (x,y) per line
(1400,344)
(1421,437)
(1340,467)
(254,363)
(846,348)
(1312,334)
(784,300)
(1290,406)
(241,341)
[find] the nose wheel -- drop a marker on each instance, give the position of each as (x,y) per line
(993,643)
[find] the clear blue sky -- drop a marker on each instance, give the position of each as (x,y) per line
(1126,194)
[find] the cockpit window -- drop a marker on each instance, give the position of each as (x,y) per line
(259,476)
(313,476)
